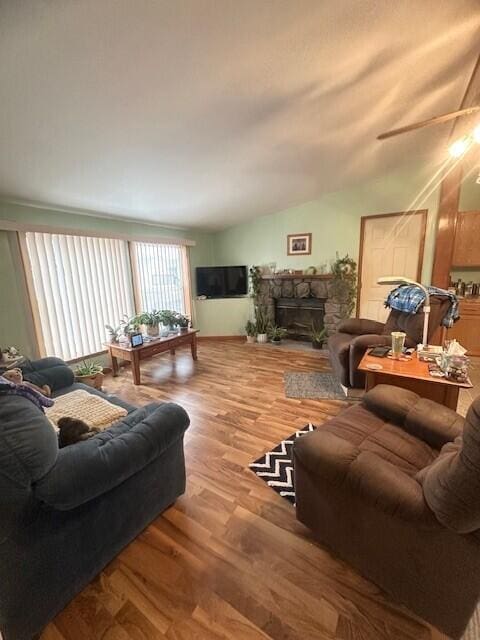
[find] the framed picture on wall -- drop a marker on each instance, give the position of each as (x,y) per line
(299,244)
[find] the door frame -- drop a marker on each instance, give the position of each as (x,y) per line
(363,221)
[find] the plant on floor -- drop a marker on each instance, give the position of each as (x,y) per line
(88,369)
(90,373)
(277,334)
(251,331)
(113,332)
(262,322)
(255,275)
(318,336)
(344,283)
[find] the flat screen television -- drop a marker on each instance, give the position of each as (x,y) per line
(222,282)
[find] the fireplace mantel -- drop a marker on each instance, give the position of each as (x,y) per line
(298,276)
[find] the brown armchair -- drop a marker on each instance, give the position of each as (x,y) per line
(393,488)
(356,335)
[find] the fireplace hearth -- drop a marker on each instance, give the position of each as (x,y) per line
(299,315)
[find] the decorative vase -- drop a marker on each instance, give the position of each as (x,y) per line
(262,338)
(183,329)
(251,339)
(153,330)
(317,345)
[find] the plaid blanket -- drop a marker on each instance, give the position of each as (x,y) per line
(409,298)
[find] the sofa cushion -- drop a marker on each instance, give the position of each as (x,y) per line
(369,432)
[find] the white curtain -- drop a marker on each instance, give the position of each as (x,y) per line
(161,276)
(81,284)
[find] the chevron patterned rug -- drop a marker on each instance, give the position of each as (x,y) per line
(276,466)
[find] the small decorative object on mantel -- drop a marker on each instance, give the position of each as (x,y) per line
(311,271)
(299,244)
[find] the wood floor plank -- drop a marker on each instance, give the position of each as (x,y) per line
(229,560)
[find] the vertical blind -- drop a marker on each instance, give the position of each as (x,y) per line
(81,284)
(160,275)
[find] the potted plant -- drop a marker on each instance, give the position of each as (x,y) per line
(318,337)
(90,373)
(168,319)
(182,322)
(262,323)
(113,333)
(151,321)
(251,331)
(277,334)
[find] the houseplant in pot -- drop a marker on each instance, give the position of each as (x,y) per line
(182,322)
(113,333)
(151,321)
(277,334)
(318,337)
(262,323)
(251,331)
(90,373)
(168,319)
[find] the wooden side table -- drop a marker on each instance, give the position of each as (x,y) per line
(149,349)
(413,375)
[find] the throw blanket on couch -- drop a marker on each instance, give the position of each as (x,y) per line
(92,409)
(11,388)
(409,298)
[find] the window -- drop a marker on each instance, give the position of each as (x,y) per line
(79,285)
(161,271)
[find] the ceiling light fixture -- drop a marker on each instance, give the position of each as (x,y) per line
(459,147)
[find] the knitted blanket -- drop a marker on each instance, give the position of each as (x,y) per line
(92,409)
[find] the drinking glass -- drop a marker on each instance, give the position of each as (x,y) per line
(398,342)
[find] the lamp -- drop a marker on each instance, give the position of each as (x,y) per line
(399,280)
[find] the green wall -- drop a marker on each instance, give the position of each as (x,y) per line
(15,323)
(333,220)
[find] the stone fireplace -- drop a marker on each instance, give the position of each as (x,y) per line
(299,315)
(295,301)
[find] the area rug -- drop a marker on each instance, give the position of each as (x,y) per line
(315,385)
(276,466)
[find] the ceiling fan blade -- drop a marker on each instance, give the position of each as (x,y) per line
(426,123)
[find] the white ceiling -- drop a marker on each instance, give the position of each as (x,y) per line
(208,112)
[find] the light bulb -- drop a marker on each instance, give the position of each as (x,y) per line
(476,134)
(458,148)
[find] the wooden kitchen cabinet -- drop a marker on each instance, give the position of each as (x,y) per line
(467,329)
(466,251)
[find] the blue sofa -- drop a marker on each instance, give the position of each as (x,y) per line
(65,513)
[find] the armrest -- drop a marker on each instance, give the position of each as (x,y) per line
(360,326)
(52,371)
(88,469)
(427,420)
(325,455)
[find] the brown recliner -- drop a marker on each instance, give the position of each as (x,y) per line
(347,347)
(393,487)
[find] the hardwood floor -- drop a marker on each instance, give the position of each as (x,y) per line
(229,560)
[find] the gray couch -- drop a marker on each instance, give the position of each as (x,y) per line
(65,513)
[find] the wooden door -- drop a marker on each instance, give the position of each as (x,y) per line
(390,245)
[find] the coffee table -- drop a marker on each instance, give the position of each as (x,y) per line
(149,349)
(413,375)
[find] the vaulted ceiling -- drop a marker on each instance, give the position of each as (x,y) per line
(205,113)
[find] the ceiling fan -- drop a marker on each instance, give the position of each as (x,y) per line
(427,123)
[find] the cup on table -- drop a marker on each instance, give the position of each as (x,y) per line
(398,342)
